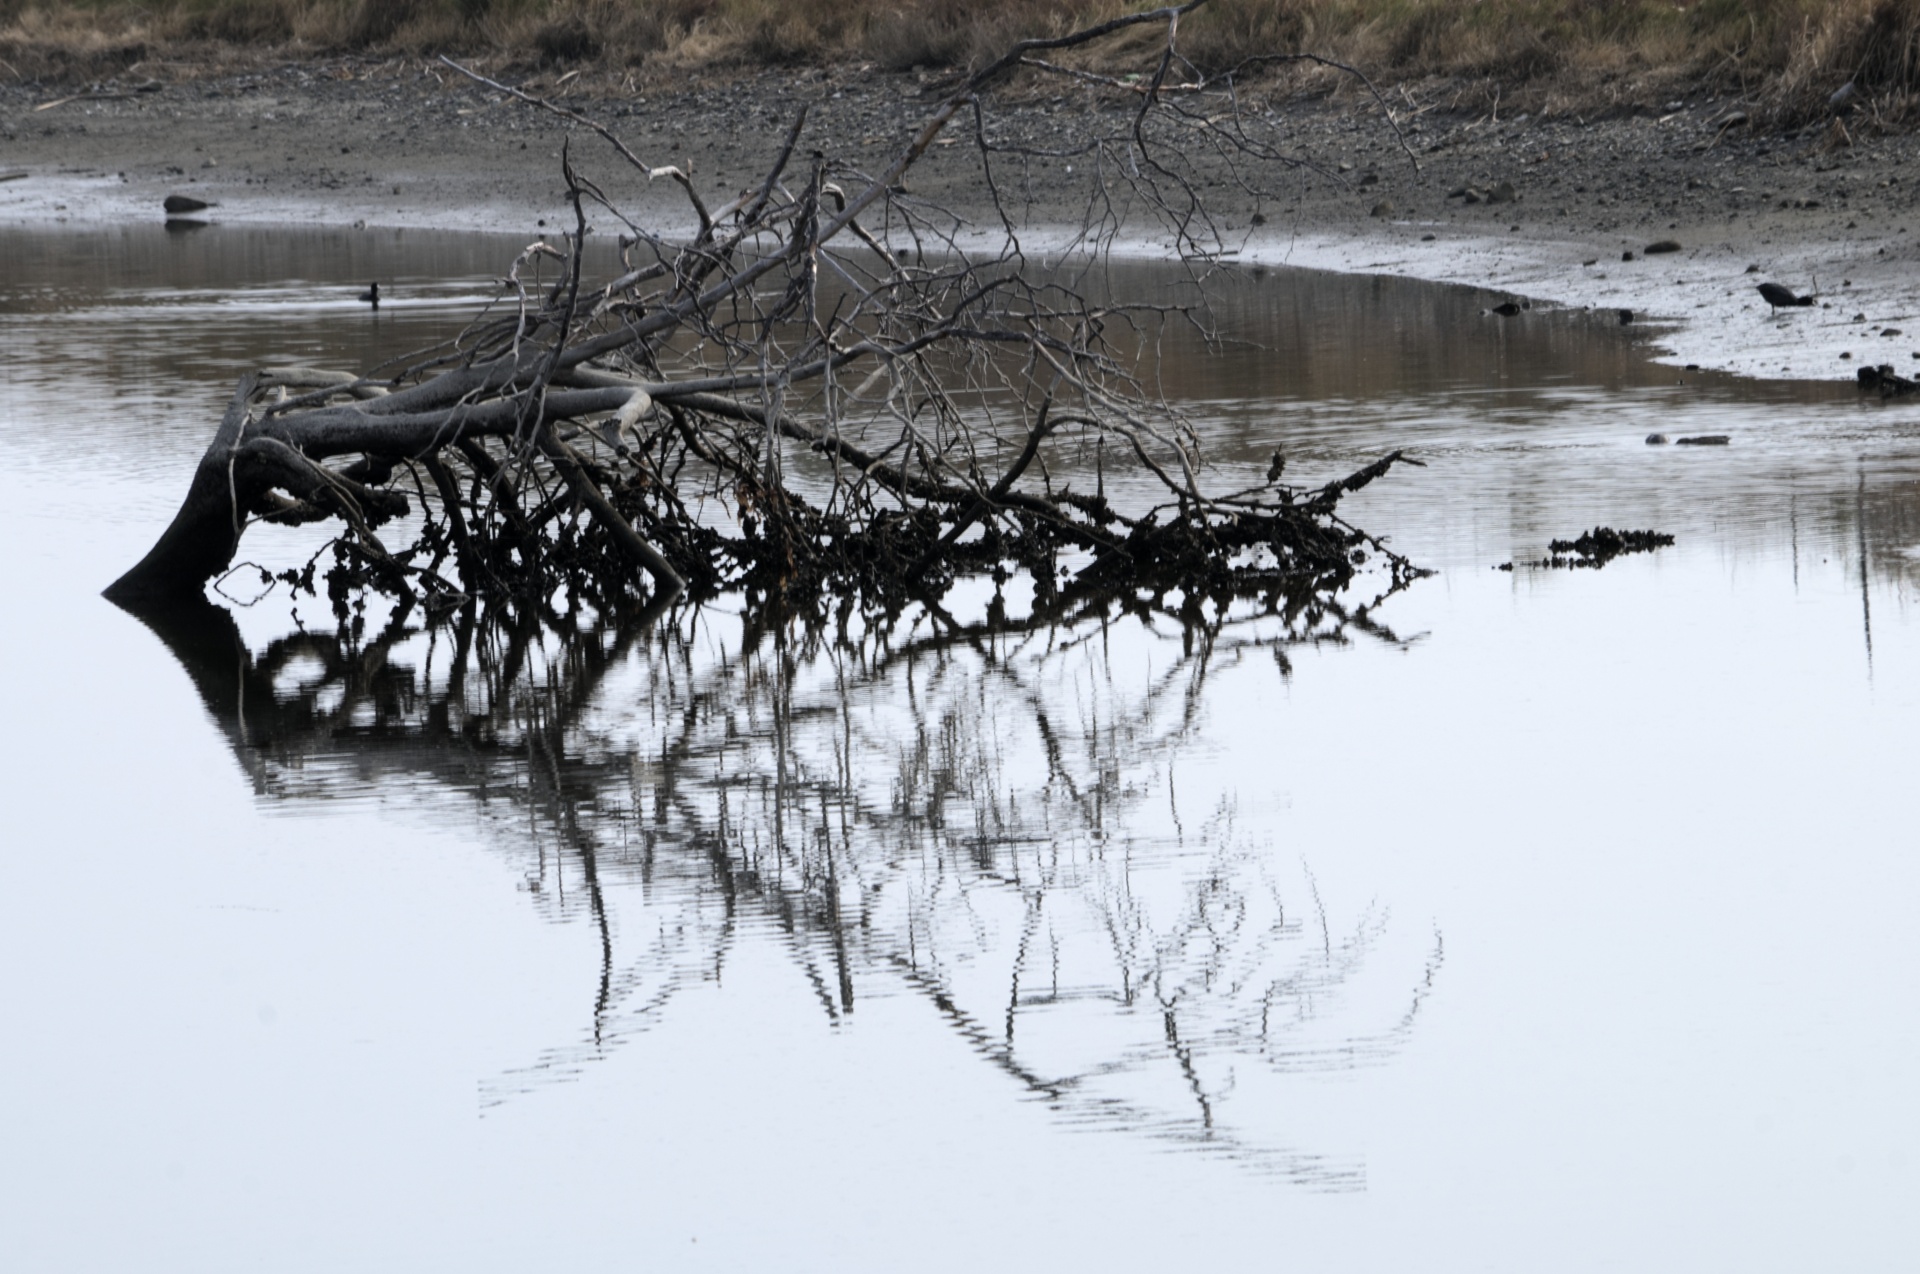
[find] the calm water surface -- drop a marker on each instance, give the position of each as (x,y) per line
(1530,920)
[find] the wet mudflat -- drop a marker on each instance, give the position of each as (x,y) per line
(1524,919)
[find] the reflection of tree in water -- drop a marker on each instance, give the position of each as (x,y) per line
(984,814)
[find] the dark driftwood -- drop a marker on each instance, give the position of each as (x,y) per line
(201,540)
(811,393)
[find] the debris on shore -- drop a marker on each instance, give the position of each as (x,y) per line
(1594,549)
(1886,382)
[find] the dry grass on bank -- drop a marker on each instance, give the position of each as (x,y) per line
(1572,55)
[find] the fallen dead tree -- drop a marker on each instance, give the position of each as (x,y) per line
(825,386)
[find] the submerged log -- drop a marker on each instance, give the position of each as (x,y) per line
(202,538)
(241,476)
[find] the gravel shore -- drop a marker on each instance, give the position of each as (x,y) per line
(1537,208)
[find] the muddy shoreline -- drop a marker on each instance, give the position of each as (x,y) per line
(375,143)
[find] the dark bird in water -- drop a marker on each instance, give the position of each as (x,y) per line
(1506,309)
(372,295)
(1776,296)
(1626,317)
(1278,466)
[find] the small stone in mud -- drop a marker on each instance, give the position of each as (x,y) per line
(1753,269)
(176,204)
(1891,331)
(1627,255)
(1704,440)
(1846,354)
(1656,440)
(1626,317)
(1663,245)
(1427,238)
(1591,261)
(1381,209)
(1259,218)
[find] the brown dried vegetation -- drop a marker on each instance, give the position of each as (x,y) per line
(1555,55)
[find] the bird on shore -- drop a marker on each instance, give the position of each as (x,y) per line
(1776,296)
(372,295)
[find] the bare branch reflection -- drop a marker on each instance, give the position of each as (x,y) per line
(981,813)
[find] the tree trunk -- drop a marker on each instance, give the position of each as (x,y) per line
(200,542)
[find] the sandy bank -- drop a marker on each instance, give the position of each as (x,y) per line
(405,144)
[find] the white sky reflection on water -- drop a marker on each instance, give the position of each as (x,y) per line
(1654,821)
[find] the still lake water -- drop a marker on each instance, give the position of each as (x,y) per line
(1535,920)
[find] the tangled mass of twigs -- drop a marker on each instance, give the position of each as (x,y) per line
(822,386)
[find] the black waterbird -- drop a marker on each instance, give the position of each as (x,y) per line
(372,295)
(1776,296)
